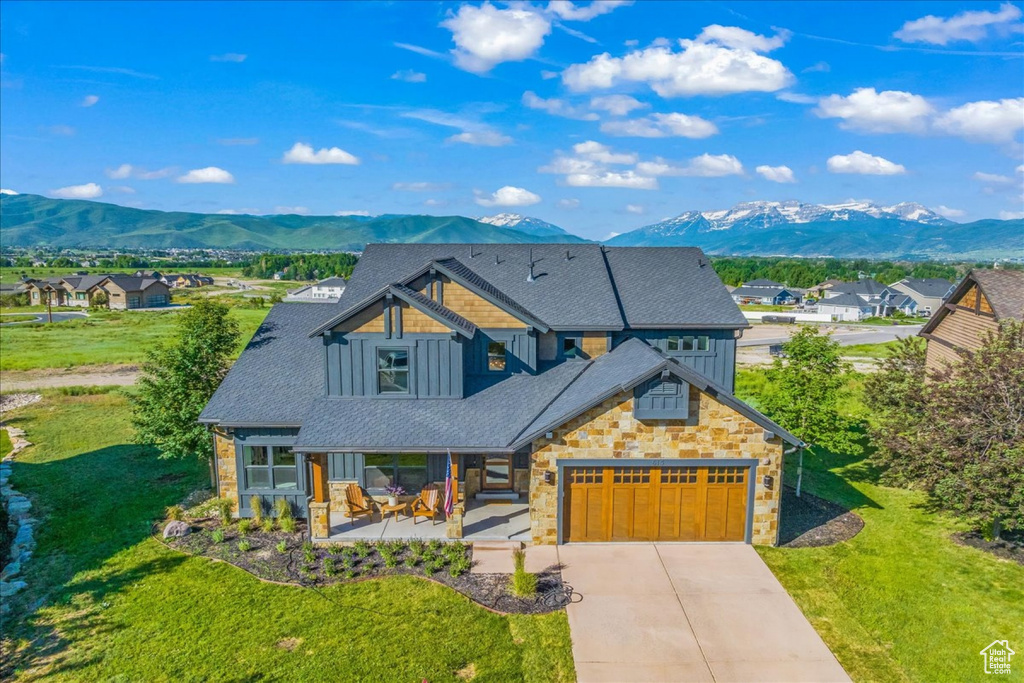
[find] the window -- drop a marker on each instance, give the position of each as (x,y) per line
(496,356)
(569,348)
(269,467)
(80,295)
(406,470)
(393,371)
(687,343)
(703,343)
(673,343)
(35,294)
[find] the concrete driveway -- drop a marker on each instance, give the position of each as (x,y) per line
(687,612)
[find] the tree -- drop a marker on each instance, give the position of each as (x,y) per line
(966,444)
(178,380)
(804,389)
(100,299)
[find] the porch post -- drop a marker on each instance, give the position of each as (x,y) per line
(455,477)
(320,507)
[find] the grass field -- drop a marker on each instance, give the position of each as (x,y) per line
(868,350)
(901,587)
(16,317)
(5,443)
(108,337)
(766,308)
(118,605)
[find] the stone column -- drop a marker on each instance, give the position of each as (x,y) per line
(453,525)
(320,519)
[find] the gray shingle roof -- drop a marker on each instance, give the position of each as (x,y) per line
(846,299)
(279,373)
(760,291)
(332,282)
(863,287)
(1004,290)
(667,287)
(459,270)
(931,287)
(429,306)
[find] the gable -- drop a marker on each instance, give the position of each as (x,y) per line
(414,320)
(475,308)
(369,320)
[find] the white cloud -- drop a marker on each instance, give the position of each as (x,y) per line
(661,126)
(972,26)
(409,76)
(557,107)
(889,111)
(1011,215)
(570,12)
(1020,169)
(819,67)
(568,204)
(421,50)
(776,174)
(90,100)
(420,187)
(721,61)
(508,196)
(481,138)
(239,212)
(228,57)
(864,164)
(548,75)
(947,212)
(301,153)
(435,202)
(210,174)
(60,129)
(703,166)
(624,179)
(299,210)
(351,213)
(121,172)
(122,189)
(635,208)
(985,121)
(485,36)
(993,178)
(4,190)
(603,154)
(128,171)
(86,191)
(796,98)
(617,105)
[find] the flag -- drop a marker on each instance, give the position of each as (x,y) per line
(449,500)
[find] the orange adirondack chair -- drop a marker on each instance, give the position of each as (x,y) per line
(357,503)
(426,504)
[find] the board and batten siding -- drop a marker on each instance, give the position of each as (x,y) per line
(435,364)
(718,363)
(520,351)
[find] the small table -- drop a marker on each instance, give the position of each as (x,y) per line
(385,509)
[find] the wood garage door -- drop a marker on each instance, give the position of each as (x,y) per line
(655,503)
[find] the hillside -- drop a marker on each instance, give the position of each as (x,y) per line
(32,220)
(850,230)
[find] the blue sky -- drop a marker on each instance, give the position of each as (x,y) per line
(599,118)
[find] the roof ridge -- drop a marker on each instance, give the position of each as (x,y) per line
(482,283)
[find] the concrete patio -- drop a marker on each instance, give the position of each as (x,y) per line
(492,521)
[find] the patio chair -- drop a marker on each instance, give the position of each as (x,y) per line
(357,503)
(426,504)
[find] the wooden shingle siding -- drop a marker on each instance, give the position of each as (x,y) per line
(983,305)
(476,309)
(369,320)
(414,321)
(595,344)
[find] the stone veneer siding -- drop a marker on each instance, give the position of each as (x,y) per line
(609,430)
(227,469)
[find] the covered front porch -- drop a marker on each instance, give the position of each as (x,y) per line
(482,521)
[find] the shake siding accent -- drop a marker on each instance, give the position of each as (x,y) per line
(476,309)
(595,343)
(414,321)
(369,320)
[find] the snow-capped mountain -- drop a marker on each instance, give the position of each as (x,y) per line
(852,228)
(531,226)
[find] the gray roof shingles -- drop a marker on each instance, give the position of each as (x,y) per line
(931,287)
(1004,290)
(845,299)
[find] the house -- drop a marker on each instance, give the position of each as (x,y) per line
(155,274)
(122,291)
(882,299)
(325,291)
(846,308)
(80,290)
(186,280)
(973,310)
(587,388)
(764,292)
(928,293)
(126,292)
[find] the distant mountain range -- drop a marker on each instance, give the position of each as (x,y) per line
(31,220)
(852,229)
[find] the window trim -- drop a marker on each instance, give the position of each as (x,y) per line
(270,468)
(395,468)
(407,370)
(494,354)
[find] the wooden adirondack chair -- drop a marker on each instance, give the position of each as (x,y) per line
(426,504)
(357,503)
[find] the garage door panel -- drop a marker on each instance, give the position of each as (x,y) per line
(677,518)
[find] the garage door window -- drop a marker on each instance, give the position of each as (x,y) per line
(633,475)
(725,475)
(587,475)
(679,475)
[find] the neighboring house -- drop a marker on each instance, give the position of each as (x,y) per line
(882,299)
(81,289)
(155,274)
(127,292)
(592,386)
(846,308)
(279,275)
(974,309)
(928,293)
(123,291)
(46,290)
(325,291)
(186,280)
(764,292)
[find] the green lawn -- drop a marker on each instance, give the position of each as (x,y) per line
(868,350)
(767,308)
(5,443)
(15,317)
(120,606)
(900,601)
(102,338)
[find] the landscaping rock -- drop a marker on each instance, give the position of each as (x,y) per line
(9,588)
(18,505)
(24,536)
(10,570)
(176,529)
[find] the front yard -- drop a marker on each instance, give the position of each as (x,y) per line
(118,605)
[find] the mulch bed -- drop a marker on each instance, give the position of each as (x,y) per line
(320,566)
(1009,547)
(812,522)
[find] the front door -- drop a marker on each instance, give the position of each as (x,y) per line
(498,472)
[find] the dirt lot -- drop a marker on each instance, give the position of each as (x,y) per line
(92,375)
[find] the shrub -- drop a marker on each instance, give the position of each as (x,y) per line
(308,552)
(434,544)
(256,505)
(267,525)
(362,548)
(416,547)
(282,547)
(243,526)
(459,567)
(329,569)
(524,584)
(428,569)
(217,535)
(346,562)
(350,574)
(176,513)
(390,561)
(411,561)
(284,509)
(244,545)
(334,550)
(225,507)
(286,525)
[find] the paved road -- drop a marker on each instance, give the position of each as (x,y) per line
(687,612)
(848,336)
(58,317)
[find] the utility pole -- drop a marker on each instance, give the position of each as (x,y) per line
(49,312)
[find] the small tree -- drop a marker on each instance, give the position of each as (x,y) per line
(178,380)
(99,299)
(804,389)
